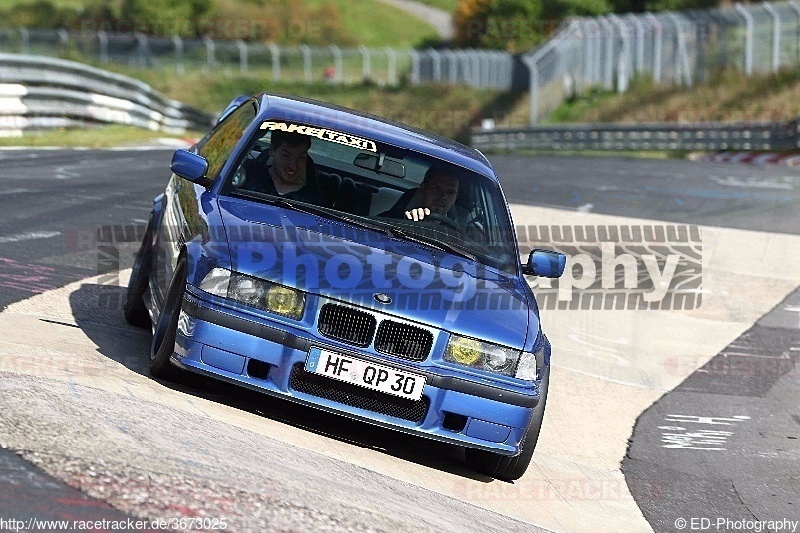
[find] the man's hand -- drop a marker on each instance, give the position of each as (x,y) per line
(417,214)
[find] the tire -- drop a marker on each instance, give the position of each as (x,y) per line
(508,468)
(164,335)
(135,312)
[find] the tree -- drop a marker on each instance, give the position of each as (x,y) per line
(516,25)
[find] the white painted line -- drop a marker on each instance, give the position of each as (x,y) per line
(754,355)
(29,236)
(16,191)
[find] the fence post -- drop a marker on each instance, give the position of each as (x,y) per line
(414,67)
(275,52)
(102,43)
(26,40)
(590,34)
(608,52)
(177,42)
(776,36)
(484,58)
(748,39)
(622,60)
(683,73)
(508,71)
(63,38)
(240,44)
(463,62)
(365,64)
(391,66)
(452,66)
(637,23)
(141,49)
(337,63)
(475,68)
(531,61)
(657,46)
(499,82)
(306,51)
(436,62)
(796,8)
(533,72)
(210,59)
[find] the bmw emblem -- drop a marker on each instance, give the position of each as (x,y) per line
(383,298)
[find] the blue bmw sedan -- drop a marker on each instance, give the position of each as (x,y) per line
(354,265)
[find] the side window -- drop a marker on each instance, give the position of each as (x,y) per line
(219,144)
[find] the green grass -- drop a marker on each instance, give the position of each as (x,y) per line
(366,22)
(95,137)
(374,23)
(574,110)
(446,110)
(728,96)
(445,5)
(73,4)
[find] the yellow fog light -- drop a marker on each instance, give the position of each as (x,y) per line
(285,301)
(463,351)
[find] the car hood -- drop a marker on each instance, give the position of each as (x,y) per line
(343,262)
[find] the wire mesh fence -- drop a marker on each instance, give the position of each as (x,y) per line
(301,63)
(681,48)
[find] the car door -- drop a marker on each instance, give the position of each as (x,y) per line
(184,216)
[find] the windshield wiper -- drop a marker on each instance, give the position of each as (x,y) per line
(431,243)
(316,210)
(283,202)
(381,227)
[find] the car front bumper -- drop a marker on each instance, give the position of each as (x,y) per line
(247,351)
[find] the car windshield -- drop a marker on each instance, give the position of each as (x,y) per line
(379,186)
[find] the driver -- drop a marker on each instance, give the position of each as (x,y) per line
(436,194)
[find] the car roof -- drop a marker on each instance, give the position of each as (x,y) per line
(314,112)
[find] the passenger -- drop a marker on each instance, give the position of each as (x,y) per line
(290,172)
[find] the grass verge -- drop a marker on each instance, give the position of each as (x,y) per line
(446,110)
(727,96)
(94,137)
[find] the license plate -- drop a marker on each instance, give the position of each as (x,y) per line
(365,373)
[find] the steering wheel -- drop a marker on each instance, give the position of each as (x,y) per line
(447,221)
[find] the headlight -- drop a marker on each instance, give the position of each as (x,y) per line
(255,292)
(481,355)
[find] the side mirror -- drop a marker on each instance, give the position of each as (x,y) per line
(545,263)
(190,166)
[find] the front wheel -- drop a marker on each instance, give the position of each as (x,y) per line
(164,335)
(508,468)
(135,312)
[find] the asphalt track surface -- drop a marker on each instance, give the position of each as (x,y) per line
(722,443)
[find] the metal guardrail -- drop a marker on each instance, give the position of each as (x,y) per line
(777,136)
(45,93)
